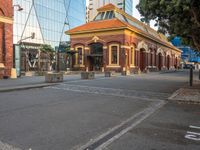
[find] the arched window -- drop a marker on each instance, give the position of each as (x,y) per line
(79,55)
(114,54)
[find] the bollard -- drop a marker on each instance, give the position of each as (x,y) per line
(191,76)
(199,74)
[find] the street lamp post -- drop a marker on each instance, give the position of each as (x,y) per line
(19,8)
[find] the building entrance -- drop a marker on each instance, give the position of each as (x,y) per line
(160,61)
(142,60)
(95,58)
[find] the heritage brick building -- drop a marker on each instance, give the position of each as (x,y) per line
(116,41)
(6,37)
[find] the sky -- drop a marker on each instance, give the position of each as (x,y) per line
(136,14)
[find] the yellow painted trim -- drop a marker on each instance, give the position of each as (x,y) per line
(132,57)
(113,66)
(6,19)
(92,34)
(105,47)
(125,46)
(99,30)
(71,49)
(76,66)
(87,48)
(76,55)
(110,46)
(132,66)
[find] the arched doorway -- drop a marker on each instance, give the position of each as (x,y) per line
(142,59)
(168,62)
(95,58)
(160,61)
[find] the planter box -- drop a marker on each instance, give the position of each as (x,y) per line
(87,75)
(51,77)
(125,73)
(109,74)
(146,70)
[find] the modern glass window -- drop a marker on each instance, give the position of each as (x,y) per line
(105,15)
(98,17)
(114,55)
(47,19)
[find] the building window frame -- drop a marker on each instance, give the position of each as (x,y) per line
(79,58)
(110,55)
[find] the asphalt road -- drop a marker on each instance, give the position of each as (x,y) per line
(174,127)
(105,112)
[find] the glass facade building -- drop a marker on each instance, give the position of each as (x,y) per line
(43,22)
(48,19)
(128,6)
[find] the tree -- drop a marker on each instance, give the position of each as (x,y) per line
(174,17)
(45,48)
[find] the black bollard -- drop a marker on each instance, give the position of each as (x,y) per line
(191,76)
(199,74)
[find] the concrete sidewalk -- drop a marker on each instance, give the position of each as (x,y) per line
(26,82)
(30,82)
(187,94)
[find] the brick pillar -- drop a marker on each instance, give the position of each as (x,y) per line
(105,57)
(138,59)
(9,48)
(1,42)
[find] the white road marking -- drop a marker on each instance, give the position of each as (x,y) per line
(194,127)
(144,95)
(193,135)
(5,146)
(137,119)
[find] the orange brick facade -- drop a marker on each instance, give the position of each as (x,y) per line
(120,43)
(153,60)
(6,37)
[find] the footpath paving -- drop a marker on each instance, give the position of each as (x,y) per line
(188,94)
(185,94)
(30,82)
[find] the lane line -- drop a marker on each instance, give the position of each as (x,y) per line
(194,127)
(104,140)
(106,94)
(5,146)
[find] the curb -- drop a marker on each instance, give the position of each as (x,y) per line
(175,98)
(25,87)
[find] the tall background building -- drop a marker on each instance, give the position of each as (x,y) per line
(43,22)
(126,5)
